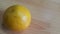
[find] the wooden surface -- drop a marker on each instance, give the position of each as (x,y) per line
(45,15)
(36,27)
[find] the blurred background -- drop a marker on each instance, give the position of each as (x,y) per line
(47,11)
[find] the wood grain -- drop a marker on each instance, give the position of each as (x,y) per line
(45,13)
(36,27)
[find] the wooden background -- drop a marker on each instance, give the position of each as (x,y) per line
(45,15)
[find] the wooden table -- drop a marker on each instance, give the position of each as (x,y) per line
(45,15)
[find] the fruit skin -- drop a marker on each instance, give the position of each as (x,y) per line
(17,18)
